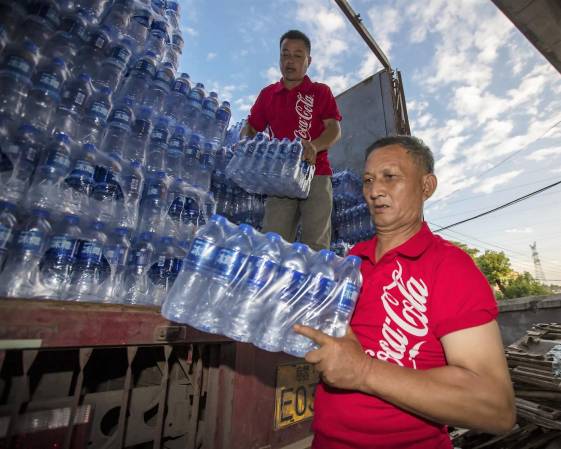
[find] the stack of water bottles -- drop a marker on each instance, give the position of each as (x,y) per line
(351,220)
(106,157)
(254,287)
(271,167)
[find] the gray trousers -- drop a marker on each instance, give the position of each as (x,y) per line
(282,215)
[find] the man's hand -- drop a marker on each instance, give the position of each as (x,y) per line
(341,362)
(310,152)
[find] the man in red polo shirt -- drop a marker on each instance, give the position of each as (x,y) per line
(297,107)
(423,349)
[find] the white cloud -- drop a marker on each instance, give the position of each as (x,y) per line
(210,56)
(544,153)
(526,230)
(243,104)
(272,74)
(338,83)
(190,31)
(489,184)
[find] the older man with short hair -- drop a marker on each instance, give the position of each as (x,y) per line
(424,348)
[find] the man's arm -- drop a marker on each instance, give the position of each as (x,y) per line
(248,131)
(330,135)
(474,390)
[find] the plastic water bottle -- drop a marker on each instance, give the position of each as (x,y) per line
(175,204)
(91,269)
(249,297)
(140,77)
(172,51)
(206,166)
(118,17)
(221,122)
(75,94)
(137,142)
(175,152)
(71,34)
(227,265)
(94,119)
(281,156)
(191,160)
(192,282)
(16,69)
(156,40)
(263,164)
(172,13)
(112,68)
(322,282)
(44,96)
(19,159)
(165,269)
(336,320)
(116,252)
(158,145)
(132,184)
(255,165)
(153,204)
(194,106)
(135,287)
(8,221)
(79,184)
(19,277)
(138,27)
(118,128)
(55,267)
(191,214)
(177,98)
(159,90)
(207,114)
(292,278)
(91,54)
(40,24)
(54,166)
(107,193)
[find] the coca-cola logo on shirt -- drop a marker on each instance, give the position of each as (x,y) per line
(406,319)
(304,108)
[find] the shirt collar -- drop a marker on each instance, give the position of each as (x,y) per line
(303,86)
(412,248)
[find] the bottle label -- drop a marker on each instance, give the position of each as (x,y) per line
(142,19)
(49,81)
(158,134)
(62,247)
(155,190)
(296,280)
(100,110)
(121,54)
(222,115)
(121,115)
(323,289)
(192,152)
(174,151)
(79,97)
(83,169)
(90,252)
(58,160)
(160,272)
(140,258)
(181,87)
(201,255)
(176,208)
(100,42)
(29,154)
(19,65)
(259,271)
(227,263)
(30,241)
(5,236)
(133,184)
(347,298)
(165,76)
(116,255)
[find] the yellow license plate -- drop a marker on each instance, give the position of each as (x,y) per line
(294,396)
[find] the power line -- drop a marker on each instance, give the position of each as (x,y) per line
(525,147)
(502,206)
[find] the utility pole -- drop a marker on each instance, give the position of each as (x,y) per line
(540,276)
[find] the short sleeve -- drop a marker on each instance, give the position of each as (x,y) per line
(463,297)
(257,116)
(330,108)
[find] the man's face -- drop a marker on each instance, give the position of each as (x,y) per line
(294,59)
(395,188)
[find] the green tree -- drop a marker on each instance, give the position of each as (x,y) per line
(496,268)
(471,251)
(525,285)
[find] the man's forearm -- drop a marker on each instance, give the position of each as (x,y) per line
(448,395)
(328,137)
(248,131)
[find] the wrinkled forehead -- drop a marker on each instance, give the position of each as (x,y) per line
(293,45)
(389,156)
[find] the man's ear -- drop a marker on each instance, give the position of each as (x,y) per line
(309,60)
(429,185)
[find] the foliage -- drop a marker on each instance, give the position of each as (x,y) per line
(498,271)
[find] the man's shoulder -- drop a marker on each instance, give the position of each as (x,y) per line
(450,255)
(320,87)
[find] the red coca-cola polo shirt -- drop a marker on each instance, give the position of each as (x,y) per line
(413,296)
(298,112)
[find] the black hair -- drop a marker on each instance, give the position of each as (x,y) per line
(419,151)
(296,34)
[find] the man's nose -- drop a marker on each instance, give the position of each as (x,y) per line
(374,190)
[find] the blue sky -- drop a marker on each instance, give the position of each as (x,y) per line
(477,92)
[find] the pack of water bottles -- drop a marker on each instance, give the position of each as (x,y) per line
(106,156)
(350,219)
(271,167)
(254,287)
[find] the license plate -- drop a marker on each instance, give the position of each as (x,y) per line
(294,396)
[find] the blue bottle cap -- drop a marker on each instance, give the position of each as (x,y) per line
(245,228)
(89,148)
(71,219)
(273,236)
(121,230)
(58,61)
(42,213)
(62,137)
(355,260)
(98,225)
(85,77)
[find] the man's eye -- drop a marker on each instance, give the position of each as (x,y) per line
(367,180)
